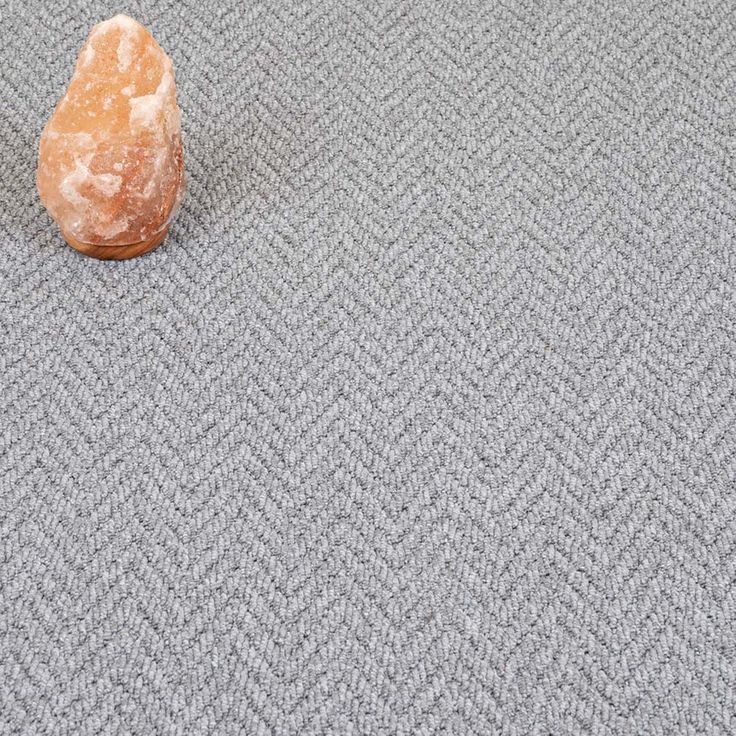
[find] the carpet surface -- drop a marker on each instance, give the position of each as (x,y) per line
(422,419)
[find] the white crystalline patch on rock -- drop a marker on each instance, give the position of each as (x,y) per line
(120,22)
(150,189)
(125,22)
(85,146)
(70,184)
(125,49)
(172,116)
(128,30)
(145,109)
(89,55)
(127,91)
(158,165)
(108,184)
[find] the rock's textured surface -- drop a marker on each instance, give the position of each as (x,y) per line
(110,168)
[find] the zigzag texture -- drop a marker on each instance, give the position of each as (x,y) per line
(423,420)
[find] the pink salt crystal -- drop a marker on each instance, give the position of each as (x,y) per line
(110,164)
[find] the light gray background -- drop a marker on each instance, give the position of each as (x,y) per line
(422,420)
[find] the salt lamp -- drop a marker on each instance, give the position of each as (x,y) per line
(110,164)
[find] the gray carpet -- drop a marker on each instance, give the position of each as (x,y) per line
(422,420)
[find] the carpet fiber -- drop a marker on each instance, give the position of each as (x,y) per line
(421,420)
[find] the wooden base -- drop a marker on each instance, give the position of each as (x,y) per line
(116,252)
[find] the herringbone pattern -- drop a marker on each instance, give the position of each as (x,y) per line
(422,421)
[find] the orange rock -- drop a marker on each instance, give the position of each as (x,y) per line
(110,165)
